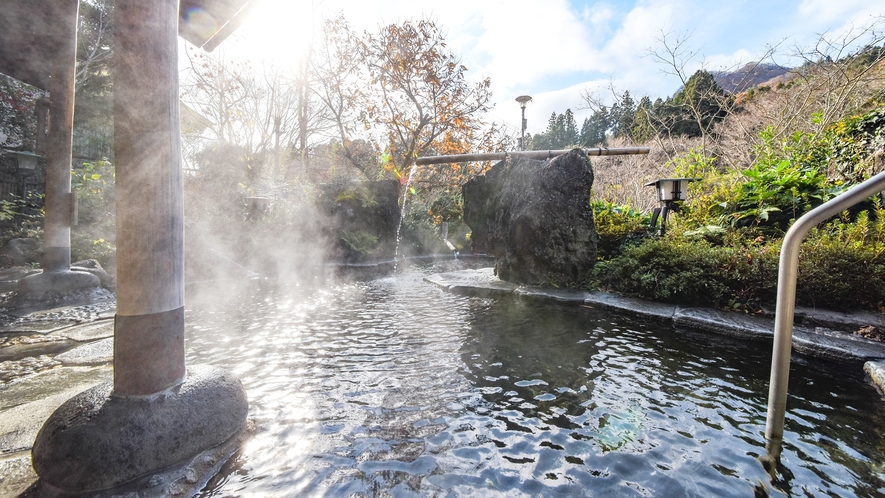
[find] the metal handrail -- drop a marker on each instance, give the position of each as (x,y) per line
(786,305)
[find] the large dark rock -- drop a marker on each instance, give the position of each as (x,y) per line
(362,220)
(534,217)
(23,251)
(92,266)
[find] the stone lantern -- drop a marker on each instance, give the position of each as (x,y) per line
(671,191)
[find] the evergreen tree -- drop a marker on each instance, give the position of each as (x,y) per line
(570,130)
(623,113)
(561,133)
(694,110)
(593,131)
(642,129)
(542,141)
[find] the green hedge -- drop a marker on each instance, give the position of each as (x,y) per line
(687,271)
(833,273)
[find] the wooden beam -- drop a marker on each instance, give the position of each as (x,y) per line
(531,154)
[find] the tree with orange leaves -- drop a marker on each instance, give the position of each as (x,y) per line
(413,97)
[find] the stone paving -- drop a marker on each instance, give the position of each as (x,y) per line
(46,357)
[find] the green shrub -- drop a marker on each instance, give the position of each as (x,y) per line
(855,142)
(447,206)
(360,194)
(841,266)
(722,249)
(14,208)
(714,234)
(21,218)
(786,180)
(681,270)
(835,276)
(707,196)
(94,235)
(360,241)
(85,246)
(618,226)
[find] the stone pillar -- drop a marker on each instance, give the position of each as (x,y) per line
(149,331)
(108,439)
(57,277)
(57,220)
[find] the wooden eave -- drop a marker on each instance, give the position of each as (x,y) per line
(28,43)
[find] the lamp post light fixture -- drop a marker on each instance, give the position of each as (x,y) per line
(671,191)
(523,101)
(25,166)
(256,207)
(26,161)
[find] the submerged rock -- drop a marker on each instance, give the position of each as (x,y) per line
(535,218)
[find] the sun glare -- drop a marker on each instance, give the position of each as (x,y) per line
(200,21)
(279,31)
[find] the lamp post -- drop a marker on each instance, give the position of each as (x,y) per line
(523,101)
(26,165)
(671,191)
(25,161)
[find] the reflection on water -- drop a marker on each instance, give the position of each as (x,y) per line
(393,387)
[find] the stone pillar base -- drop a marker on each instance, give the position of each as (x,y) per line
(56,259)
(96,442)
(60,282)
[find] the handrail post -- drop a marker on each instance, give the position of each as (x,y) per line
(786,305)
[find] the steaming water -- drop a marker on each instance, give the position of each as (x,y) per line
(390,387)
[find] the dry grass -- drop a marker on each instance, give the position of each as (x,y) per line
(622,179)
(809,100)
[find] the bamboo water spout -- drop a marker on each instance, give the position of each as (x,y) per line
(530,154)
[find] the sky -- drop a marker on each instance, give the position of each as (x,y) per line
(556,50)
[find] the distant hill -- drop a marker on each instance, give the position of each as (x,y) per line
(750,75)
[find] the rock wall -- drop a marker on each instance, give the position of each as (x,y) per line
(534,217)
(362,220)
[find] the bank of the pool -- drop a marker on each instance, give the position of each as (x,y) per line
(817,333)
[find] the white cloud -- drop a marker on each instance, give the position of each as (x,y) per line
(822,13)
(598,15)
(839,22)
(638,33)
(609,48)
(554,49)
(726,62)
(526,41)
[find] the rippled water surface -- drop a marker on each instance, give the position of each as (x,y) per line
(392,387)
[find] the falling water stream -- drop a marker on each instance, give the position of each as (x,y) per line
(403,213)
(391,387)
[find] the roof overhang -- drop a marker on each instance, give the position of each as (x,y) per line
(207,23)
(28,42)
